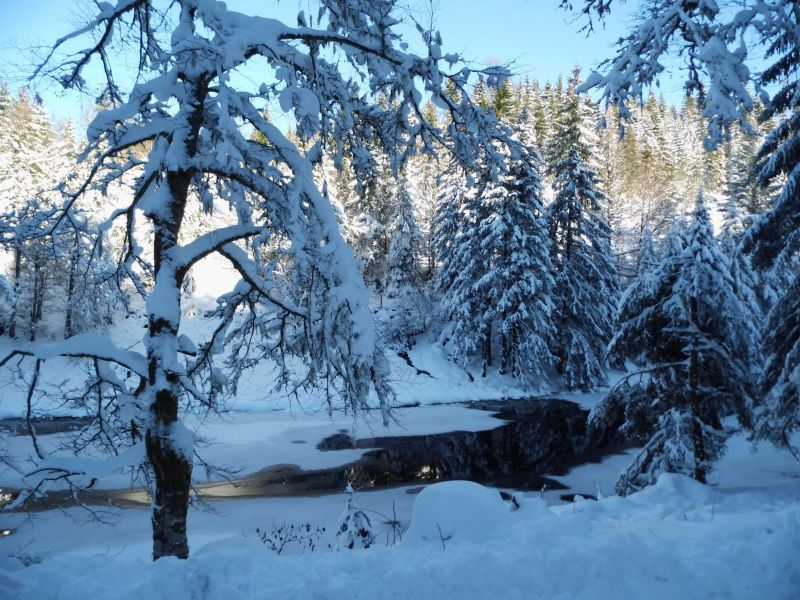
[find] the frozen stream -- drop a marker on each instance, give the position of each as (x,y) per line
(515,444)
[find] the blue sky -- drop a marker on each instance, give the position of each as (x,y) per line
(541,40)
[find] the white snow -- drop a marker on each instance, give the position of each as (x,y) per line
(677,539)
(456,511)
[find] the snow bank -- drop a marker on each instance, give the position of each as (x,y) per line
(457,511)
(675,540)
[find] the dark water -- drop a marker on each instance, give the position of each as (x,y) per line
(541,437)
(42,426)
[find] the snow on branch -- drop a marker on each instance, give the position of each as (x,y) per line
(93,345)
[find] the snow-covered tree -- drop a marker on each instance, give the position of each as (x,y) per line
(647,257)
(355,526)
(518,283)
(60,280)
(780,415)
(408,311)
(745,197)
(698,345)
(404,244)
(718,49)
(453,186)
(28,169)
(368,212)
(496,277)
(775,237)
(178,135)
(423,171)
(586,283)
(7,301)
(457,246)
(672,449)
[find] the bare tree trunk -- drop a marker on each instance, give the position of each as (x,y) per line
(505,346)
(487,351)
(12,329)
(694,402)
(36,301)
(512,344)
(173,473)
(73,267)
(171,465)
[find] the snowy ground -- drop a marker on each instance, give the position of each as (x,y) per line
(737,539)
(675,540)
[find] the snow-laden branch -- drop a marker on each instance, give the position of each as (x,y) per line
(250,273)
(93,345)
(187,255)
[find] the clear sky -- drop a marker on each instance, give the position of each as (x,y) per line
(538,38)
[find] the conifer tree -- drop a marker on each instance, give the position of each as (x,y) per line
(586,282)
(685,323)
(405,239)
(423,171)
(518,284)
(453,186)
(774,237)
(461,265)
(368,211)
(406,304)
(647,256)
(355,526)
(495,277)
(725,92)
(503,102)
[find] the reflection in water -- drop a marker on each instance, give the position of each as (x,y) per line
(539,437)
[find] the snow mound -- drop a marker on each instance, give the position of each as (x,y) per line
(457,511)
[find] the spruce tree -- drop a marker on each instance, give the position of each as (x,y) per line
(518,284)
(495,276)
(405,303)
(586,282)
(586,286)
(368,211)
(773,237)
(453,185)
(685,322)
(461,264)
(423,171)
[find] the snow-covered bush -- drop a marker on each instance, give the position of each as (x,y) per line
(404,317)
(355,527)
(672,449)
(303,536)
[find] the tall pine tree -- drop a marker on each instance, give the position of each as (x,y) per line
(685,322)
(586,282)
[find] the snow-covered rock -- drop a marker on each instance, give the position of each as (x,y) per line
(457,511)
